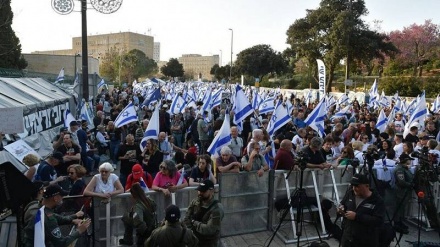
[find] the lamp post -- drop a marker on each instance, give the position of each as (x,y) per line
(232,42)
(221,56)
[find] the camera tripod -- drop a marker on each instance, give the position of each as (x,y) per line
(299,196)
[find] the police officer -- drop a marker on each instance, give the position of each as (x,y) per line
(53,197)
(404,185)
(172,232)
(204,215)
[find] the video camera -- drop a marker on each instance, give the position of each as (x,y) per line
(428,164)
(353,162)
(302,159)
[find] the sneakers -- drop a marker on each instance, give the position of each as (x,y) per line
(125,242)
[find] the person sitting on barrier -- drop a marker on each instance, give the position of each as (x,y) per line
(168,180)
(314,155)
(202,171)
(404,185)
(135,177)
(141,217)
(52,198)
(363,211)
(172,232)
(227,162)
(204,215)
(105,184)
(284,157)
(254,161)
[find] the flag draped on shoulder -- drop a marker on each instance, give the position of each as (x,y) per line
(222,138)
(152,131)
(242,106)
(126,116)
(39,228)
(316,118)
(418,114)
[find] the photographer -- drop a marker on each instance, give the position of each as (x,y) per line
(315,159)
(404,185)
(363,212)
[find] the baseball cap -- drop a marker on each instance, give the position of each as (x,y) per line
(53,190)
(359,179)
(172,213)
(404,158)
(137,171)
(206,185)
(58,156)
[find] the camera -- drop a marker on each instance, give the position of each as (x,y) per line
(301,159)
(428,167)
(353,162)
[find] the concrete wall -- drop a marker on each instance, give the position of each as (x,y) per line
(52,64)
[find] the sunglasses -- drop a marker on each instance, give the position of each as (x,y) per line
(162,167)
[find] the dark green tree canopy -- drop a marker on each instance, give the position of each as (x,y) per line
(335,31)
(220,72)
(260,60)
(10,47)
(173,68)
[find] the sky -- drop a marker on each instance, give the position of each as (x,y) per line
(197,26)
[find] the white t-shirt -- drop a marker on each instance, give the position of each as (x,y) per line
(108,187)
(398,149)
(298,141)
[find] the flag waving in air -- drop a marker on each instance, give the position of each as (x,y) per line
(222,138)
(316,118)
(126,116)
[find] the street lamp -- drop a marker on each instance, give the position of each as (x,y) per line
(221,56)
(232,42)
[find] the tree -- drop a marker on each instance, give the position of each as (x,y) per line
(173,68)
(260,60)
(10,47)
(418,44)
(109,67)
(332,32)
(220,72)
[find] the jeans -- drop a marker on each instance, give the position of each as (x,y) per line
(114,148)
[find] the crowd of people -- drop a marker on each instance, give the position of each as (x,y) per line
(179,158)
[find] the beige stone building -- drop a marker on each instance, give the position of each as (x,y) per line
(198,66)
(99,44)
(52,64)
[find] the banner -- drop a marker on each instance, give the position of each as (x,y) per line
(45,119)
(321,77)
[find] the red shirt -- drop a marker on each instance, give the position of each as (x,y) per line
(283,160)
(130,180)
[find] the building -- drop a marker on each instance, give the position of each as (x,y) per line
(156,52)
(52,64)
(197,66)
(99,44)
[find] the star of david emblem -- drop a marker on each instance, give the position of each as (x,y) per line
(125,114)
(274,118)
(264,105)
(178,105)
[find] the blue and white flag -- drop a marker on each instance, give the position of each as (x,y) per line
(152,131)
(384,101)
(223,137)
(60,76)
(267,106)
(126,116)
(308,97)
(154,96)
(86,116)
(343,112)
(418,115)
(178,105)
(182,177)
(316,118)
(270,156)
(279,118)
(242,106)
(374,95)
(382,121)
(207,101)
(101,84)
(216,98)
(68,117)
(343,99)
(436,105)
(256,100)
(39,228)
(143,185)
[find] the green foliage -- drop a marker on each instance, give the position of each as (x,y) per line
(220,72)
(10,47)
(173,68)
(410,86)
(258,61)
(109,67)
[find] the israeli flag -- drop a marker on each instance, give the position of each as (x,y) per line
(436,105)
(216,98)
(382,121)
(152,131)
(60,76)
(384,101)
(126,116)
(223,137)
(256,100)
(373,95)
(143,185)
(343,99)
(178,105)
(316,118)
(242,106)
(101,84)
(39,228)
(279,118)
(154,96)
(85,115)
(267,106)
(418,115)
(182,177)
(207,101)
(270,162)
(68,117)
(342,113)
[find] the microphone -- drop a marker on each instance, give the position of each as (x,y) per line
(421,194)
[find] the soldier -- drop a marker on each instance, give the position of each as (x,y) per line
(53,197)
(204,215)
(404,187)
